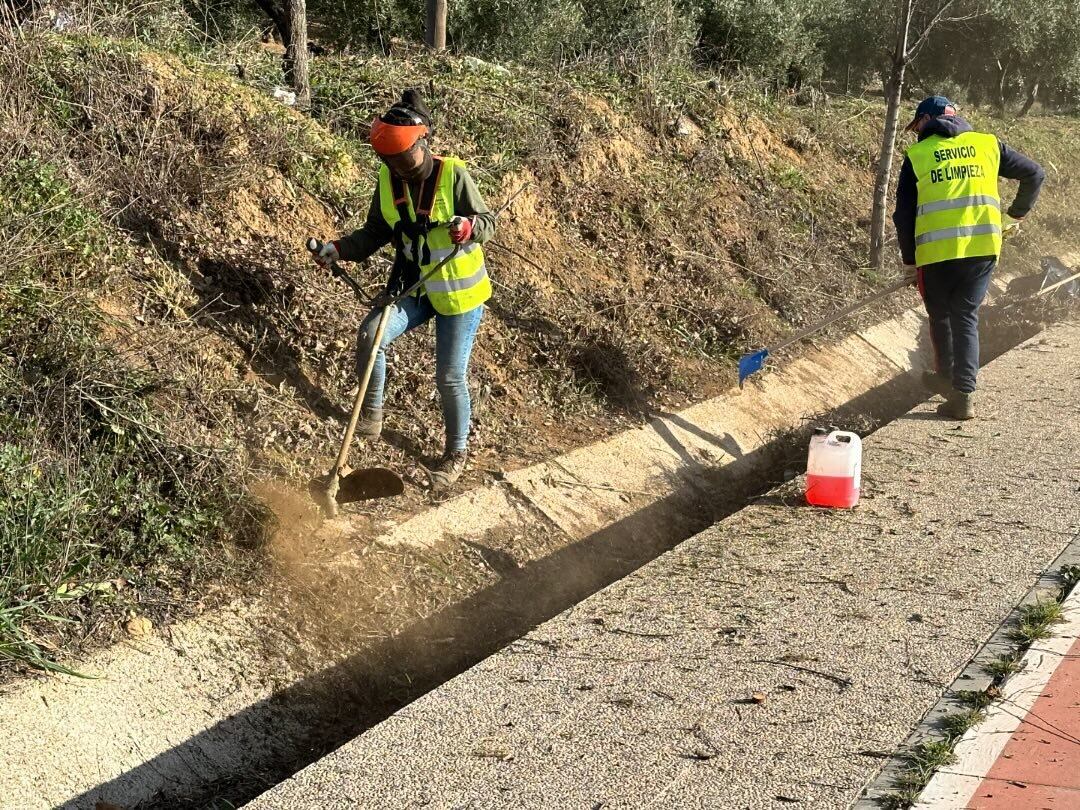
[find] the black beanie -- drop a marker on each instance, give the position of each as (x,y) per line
(410,110)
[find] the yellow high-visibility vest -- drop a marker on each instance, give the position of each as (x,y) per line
(462,284)
(959,214)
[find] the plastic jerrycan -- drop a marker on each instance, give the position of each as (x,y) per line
(834,469)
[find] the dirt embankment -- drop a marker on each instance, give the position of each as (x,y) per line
(632,270)
(650,247)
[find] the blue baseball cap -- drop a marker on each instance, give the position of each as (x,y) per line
(935,107)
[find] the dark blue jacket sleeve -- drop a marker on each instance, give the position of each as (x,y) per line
(1017,166)
(907,203)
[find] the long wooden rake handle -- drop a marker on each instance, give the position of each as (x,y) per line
(365,379)
(358,403)
(836,316)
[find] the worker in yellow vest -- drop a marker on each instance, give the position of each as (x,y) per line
(948,223)
(426,206)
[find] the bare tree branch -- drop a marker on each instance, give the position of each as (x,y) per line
(922,37)
(939,19)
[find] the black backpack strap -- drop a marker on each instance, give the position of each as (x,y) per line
(416,229)
(430,188)
(401,202)
(424,206)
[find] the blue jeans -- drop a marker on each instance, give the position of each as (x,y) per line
(454,335)
(953,291)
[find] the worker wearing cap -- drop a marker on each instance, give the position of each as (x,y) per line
(948,222)
(426,206)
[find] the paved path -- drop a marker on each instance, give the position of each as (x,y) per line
(773,660)
(1026,754)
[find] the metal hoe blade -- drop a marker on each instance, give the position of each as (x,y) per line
(368,484)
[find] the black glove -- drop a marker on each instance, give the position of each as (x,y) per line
(382,300)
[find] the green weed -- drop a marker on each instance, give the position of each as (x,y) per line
(899,800)
(31,188)
(920,764)
(956,725)
(791,178)
(974,699)
(1035,621)
(1004,666)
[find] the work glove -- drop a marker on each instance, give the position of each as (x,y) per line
(460,230)
(912,274)
(382,300)
(327,255)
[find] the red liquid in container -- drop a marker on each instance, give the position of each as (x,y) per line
(834,469)
(838,492)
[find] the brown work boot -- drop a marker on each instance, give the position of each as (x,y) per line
(448,470)
(958,405)
(938,383)
(370,424)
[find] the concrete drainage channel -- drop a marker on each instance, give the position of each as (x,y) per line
(683,472)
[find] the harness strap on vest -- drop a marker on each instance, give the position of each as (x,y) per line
(417,230)
(427,191)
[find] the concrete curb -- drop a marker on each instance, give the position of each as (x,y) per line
(980,747)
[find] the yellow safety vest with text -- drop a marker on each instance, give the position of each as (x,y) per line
(462,284)
(959,213)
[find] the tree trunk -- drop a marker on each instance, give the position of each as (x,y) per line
(297,67)
(894,94)
(882,179)
(1003,77)
(1033,93)
(291,25)
(436,24)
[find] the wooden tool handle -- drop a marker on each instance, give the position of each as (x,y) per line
(358,403)
(848,310)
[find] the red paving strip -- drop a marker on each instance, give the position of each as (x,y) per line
(1040,766)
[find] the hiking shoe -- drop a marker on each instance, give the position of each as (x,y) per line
(448,470)
(958,405)
(938,383)
(370,424)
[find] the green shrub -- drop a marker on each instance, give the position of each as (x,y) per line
(96,495)
(35,199)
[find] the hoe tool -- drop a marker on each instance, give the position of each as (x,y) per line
(340,484)
(749,363)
